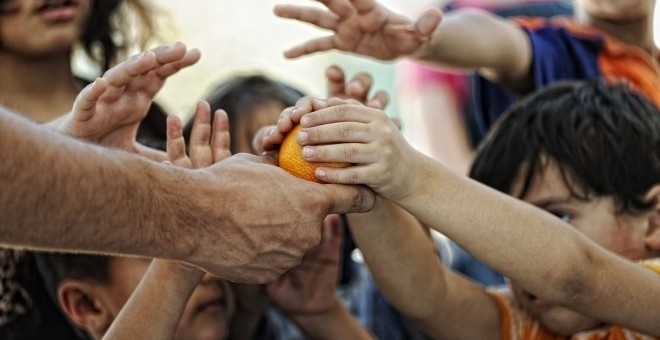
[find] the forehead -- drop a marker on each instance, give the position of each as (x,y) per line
(546,181)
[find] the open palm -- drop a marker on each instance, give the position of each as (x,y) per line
(110,110)
(362,27)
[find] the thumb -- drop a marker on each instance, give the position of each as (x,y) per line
(428,21)
(350,198)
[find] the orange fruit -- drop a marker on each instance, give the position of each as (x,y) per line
(291,159)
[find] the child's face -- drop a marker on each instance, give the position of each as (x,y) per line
(247,127)
(617,10)
(596,218)
(41,27)
(206,315)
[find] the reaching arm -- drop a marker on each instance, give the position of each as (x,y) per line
(408,272)
(466,39)
(154,309)
(502,231)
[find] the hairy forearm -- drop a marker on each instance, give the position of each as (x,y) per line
(154,309)
(59,193)
(537,250)
(477,40)
(379,235)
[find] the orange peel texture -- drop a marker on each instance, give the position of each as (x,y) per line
(291,159)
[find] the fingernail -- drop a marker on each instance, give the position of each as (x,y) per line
(320,173)
(308,152)
(302,136)
(304,121)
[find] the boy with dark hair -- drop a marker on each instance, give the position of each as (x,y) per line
(588,153)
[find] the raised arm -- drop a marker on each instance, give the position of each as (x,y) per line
(109,111)
(466,39)
(411,276)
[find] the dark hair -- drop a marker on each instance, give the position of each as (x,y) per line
(108,35)
(240,95)
(604,138)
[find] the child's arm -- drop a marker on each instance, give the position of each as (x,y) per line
(109,110)
(410,275)
(537,250)
(307,294)
(467,39)
(154,309)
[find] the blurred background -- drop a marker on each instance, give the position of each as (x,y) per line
(236,37)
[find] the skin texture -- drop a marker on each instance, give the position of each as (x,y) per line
(189,303)
(306,293)
(95,184)
(502,232)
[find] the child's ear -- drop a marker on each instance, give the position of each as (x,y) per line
(652,237)
(81,303)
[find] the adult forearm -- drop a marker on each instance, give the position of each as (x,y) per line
(59,193)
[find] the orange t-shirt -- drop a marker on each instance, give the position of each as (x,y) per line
(517,324)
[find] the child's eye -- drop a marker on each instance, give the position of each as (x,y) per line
(562,215)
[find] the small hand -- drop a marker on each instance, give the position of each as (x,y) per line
(109,110)
(357,88)
(208,144)
(362,27)
(310,288)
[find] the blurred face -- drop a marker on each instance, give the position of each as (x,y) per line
(596,218)
(207,314)
(617,10)
(35,28)
(248,125)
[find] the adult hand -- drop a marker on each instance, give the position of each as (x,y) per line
(109,110)
(263,221)
(310,287)
(363,27)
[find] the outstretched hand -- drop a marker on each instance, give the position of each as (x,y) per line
(356,90)
(208,144)
(109,110)
(310,288)
(363,27)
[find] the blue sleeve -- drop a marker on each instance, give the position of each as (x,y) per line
(557,54)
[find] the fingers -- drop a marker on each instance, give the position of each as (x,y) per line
(260,143)
(336,81)
(379,100)
(220,139)
(312,46)
(126,71)
(83,107)
(359,86)
(176,146)
(333,231)
(342,8)
(428,21)
(339,113)
(190,58)
(200,134)
(349,199)
(311,15)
